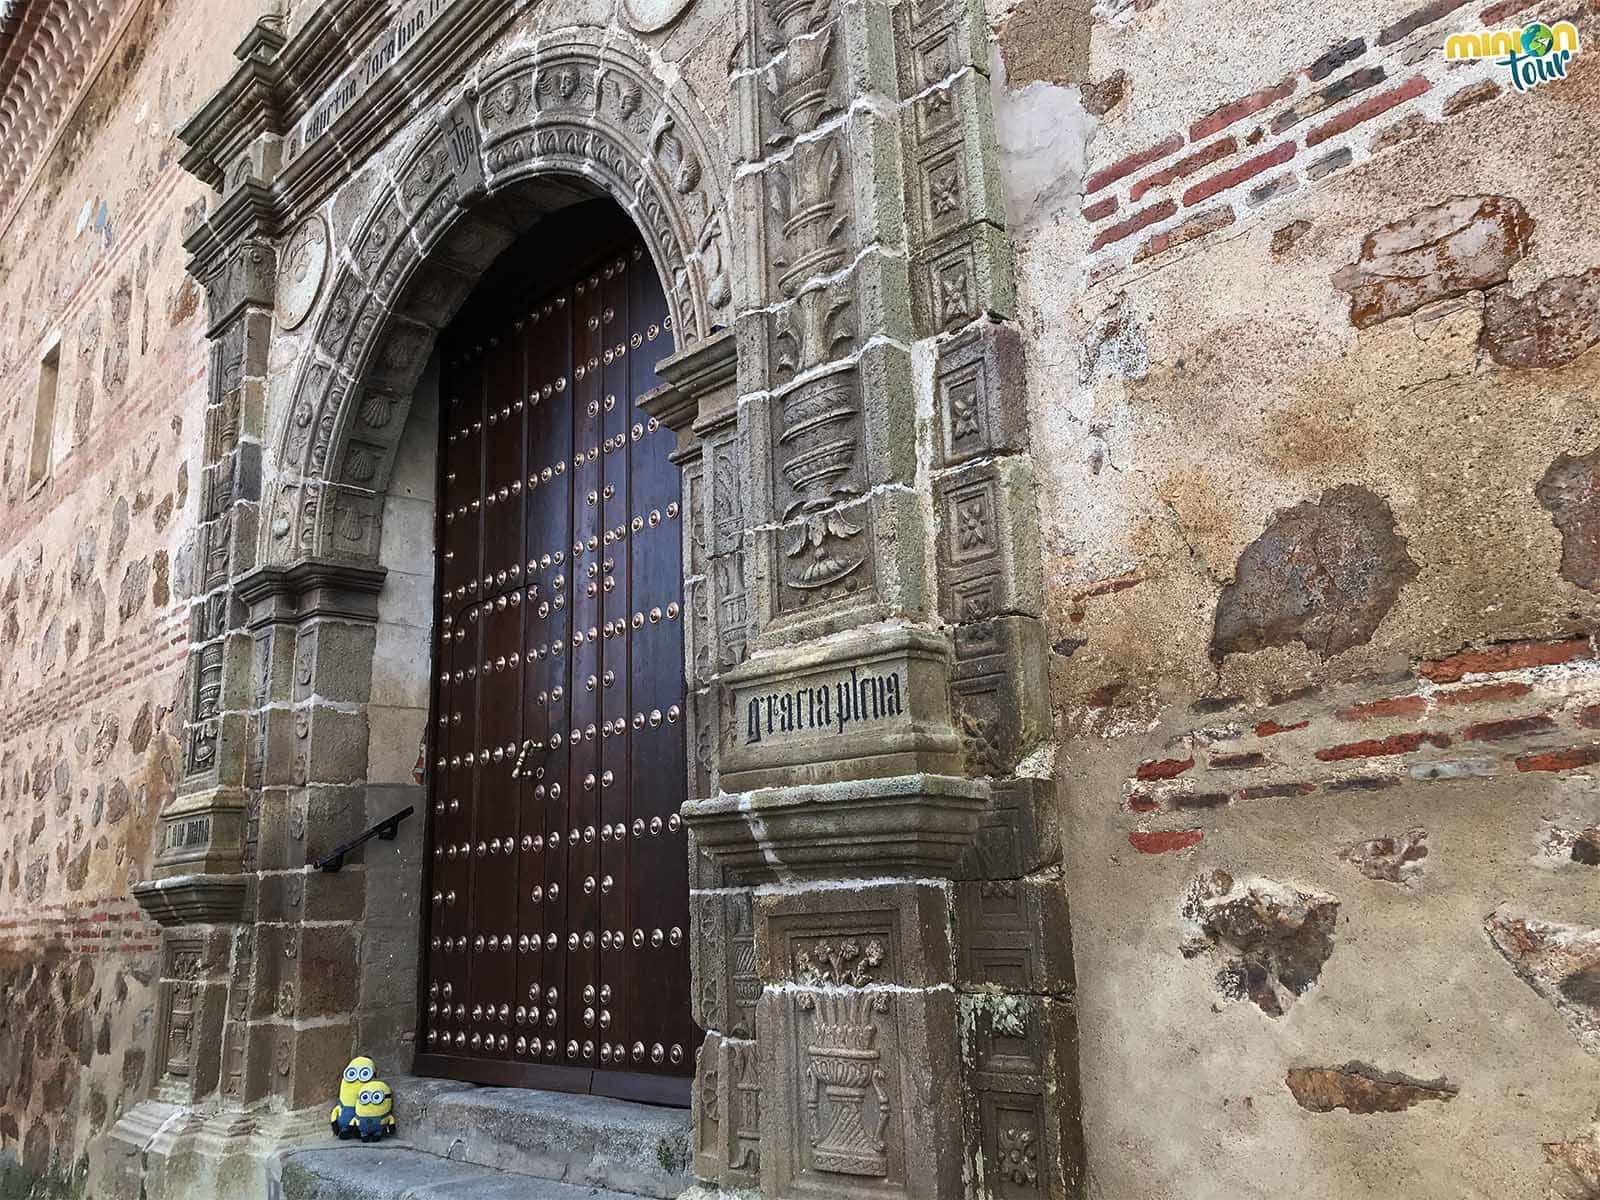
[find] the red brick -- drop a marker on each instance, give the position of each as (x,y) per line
(1273,791)
(1237,110)
(1200,800)
(1277,156)
(1185,166)
(1485,693)
(1103,696)
(1512,656)
(1394,706)
(1164,841)
(1237,762)
(1195,227)
(1367,109)
(1493,731)
(1589,718)
(1163,768)
(1132,225)
(1435,10)
(1270,728)
(1100,210)
(1399,743)
(1141,803)
(1560,760)
(1134,162)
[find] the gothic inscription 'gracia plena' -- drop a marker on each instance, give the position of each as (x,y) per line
(824,707)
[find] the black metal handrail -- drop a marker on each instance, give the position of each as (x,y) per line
(387,829)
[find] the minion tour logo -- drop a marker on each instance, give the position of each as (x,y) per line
(1533,54)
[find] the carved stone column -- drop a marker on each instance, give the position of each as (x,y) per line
(880,944)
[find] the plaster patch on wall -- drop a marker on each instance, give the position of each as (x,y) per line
(1042,132)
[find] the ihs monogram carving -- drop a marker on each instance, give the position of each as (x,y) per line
(300,279)
(843,1064)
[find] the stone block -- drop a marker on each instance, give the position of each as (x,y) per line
(1019,833)
(962,276)
(980,396)
(1023,1115)
(1014,934)
(1000,691)
(330,969)
(871,704)
(853,935)
(725,985)
(952,173)
(844,568)
(860,1094)
(308,1060)
(323,818)
(727,1113)
(935,40)
(333,744)
(916,825)
(988,538)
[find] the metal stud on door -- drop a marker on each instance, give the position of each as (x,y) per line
(556,946)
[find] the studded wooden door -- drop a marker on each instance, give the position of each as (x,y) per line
(556,944)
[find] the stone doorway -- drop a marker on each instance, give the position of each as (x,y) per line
(556,924)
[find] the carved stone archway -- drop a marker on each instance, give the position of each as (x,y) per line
(879,935)
(574,116)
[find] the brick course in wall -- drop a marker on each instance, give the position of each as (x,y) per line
(1375,78)
(1501,710)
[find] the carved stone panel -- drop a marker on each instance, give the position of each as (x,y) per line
(884,694)
(861,1095)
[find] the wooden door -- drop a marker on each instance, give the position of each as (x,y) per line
(557,916)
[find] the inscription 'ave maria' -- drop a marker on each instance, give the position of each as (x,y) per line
(832,707)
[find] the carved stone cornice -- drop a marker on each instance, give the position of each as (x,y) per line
(311,588)
(192,899)
(253,140)
(699,389)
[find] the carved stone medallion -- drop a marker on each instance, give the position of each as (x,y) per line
(303,268)
(650,16)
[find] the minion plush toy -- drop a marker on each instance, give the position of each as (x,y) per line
(375,1111)
(356,1076)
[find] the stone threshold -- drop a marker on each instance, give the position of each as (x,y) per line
(392,1171)
(584,1142)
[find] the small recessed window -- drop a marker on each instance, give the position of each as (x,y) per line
(44,418)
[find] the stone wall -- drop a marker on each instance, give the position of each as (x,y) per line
(92,573)
(1309,362)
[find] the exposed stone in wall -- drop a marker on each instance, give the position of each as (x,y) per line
(1578,1166)
(1323,573)
(1363,1089)
(1560,962)
(1463,245)
(1549,327)
(1395,858)
(1570,489)
(1274,937)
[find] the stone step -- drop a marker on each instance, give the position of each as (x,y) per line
(392,1171)
(634,1149)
